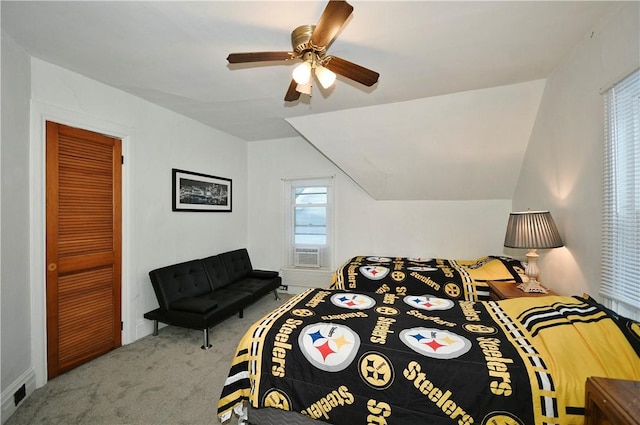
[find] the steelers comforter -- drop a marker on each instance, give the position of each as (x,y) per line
(351,358)
(454,279)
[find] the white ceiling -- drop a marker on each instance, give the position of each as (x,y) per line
(462,146)
(174,53)
(430,55)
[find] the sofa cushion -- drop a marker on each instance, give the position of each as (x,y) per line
(256,287)
(263,274)
(194,304)
(178,281)
(237,264)
(216,271)
(229,303)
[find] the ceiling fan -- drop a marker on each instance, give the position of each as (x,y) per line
(310,44)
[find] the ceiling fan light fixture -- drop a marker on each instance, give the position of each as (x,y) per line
(302,73)
(304,88)
(309,43)
(325,76)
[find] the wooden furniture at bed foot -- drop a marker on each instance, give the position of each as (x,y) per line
(612,402)
(501,290)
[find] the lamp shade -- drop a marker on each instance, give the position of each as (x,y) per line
(326,77)
(304,88)
(532,230)
(302,73)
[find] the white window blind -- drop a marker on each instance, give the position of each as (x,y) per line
(310,214)
(621,209)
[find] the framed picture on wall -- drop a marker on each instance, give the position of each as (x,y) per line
(200,192)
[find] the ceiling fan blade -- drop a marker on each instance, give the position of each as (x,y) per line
(334,16)
(292,93)
(260,57)
(351,70)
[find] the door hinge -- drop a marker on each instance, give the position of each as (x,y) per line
(121,326)
(122,159)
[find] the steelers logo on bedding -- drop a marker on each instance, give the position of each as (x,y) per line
(501,418)
(479,329)
(398,276)
(276,398)
(426,302)
(374,272)
(452,290)
(352,301)
(302,312)
(387,310)
(422,269)
(379,259)
(328,346)
(419,259)
(376,370)
(436,343)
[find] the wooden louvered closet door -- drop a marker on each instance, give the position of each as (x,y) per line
(83,246)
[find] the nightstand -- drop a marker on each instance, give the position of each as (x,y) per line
(500,290)
(612,401)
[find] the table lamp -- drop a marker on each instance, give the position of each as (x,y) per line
(532,230)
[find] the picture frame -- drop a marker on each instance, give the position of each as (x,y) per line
(200,192)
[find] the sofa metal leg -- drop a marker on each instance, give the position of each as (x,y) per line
(275,292)
(155,328)
(206,344)
(241,313)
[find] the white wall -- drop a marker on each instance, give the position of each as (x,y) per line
(14,218)
(454,229)
(562,170)
(155,140)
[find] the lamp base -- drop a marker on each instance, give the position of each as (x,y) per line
(532,286)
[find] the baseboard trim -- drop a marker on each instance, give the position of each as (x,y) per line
(28,379)
(299,279)
(144,327)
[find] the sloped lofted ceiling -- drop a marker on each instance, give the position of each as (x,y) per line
(463,146)
(449,118)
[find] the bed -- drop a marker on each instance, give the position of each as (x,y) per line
(455,279)
(354,357)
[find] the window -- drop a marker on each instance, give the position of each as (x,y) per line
(621,209)
(309,218)
(310,215)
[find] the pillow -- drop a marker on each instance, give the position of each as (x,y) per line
(194,305)
(264,274)
(494,268)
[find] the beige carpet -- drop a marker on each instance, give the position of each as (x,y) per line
(164,379)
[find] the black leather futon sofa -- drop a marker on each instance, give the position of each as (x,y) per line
(199,293)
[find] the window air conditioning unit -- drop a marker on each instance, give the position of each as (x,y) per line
(306,257)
